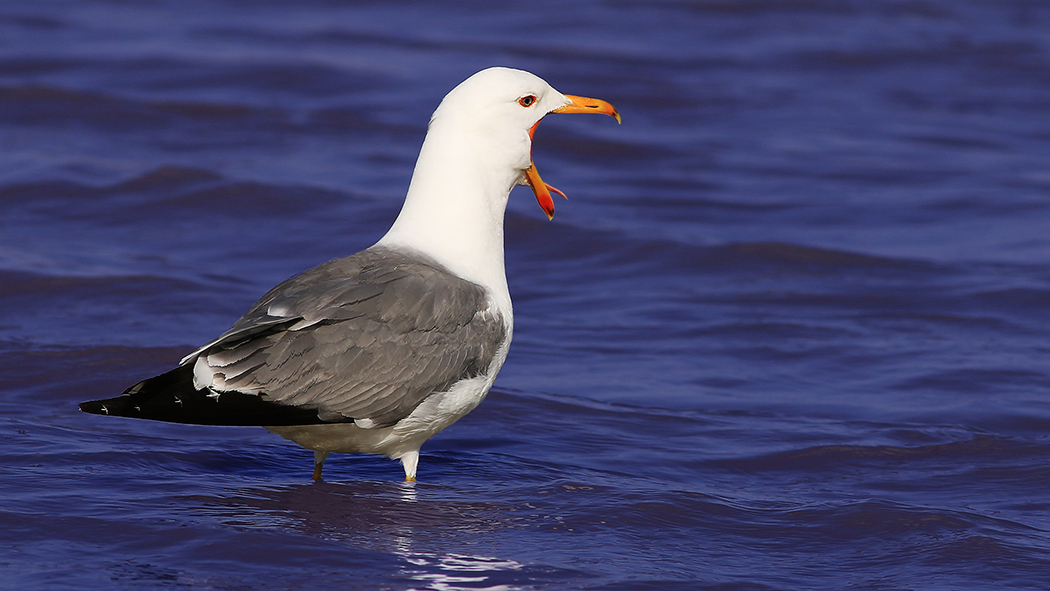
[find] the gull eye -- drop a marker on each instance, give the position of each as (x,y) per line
(527,101)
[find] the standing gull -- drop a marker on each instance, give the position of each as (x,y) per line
(380,351)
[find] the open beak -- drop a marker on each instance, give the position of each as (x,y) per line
(541,189)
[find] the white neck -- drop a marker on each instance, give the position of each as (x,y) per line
(455,206)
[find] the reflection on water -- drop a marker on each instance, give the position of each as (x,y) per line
(455,567)
(396,518)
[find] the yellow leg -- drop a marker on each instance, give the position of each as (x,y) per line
(319,458)
(409,461)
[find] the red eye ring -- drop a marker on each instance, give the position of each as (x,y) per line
(527,101)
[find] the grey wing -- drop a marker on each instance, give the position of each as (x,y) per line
(365,337)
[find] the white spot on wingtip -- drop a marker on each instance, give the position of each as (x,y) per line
(365,423)
(178,401)
(104,409)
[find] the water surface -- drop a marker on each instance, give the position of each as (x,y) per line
(790,331)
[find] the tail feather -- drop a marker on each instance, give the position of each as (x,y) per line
(171,397)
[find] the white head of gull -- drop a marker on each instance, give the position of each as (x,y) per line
(477,148)
(379,351)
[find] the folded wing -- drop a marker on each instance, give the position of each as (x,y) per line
(364,337)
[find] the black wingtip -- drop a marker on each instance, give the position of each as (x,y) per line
(118,407)
(94,407)
(171,397)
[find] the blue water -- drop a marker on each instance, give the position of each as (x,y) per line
(791,331)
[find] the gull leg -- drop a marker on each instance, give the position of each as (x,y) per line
(409,461)
(319,458)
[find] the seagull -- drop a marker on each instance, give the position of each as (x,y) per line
(380,351)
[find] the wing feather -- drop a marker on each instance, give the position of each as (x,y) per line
(367,337)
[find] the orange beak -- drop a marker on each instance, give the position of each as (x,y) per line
(582,104)
(541,189)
